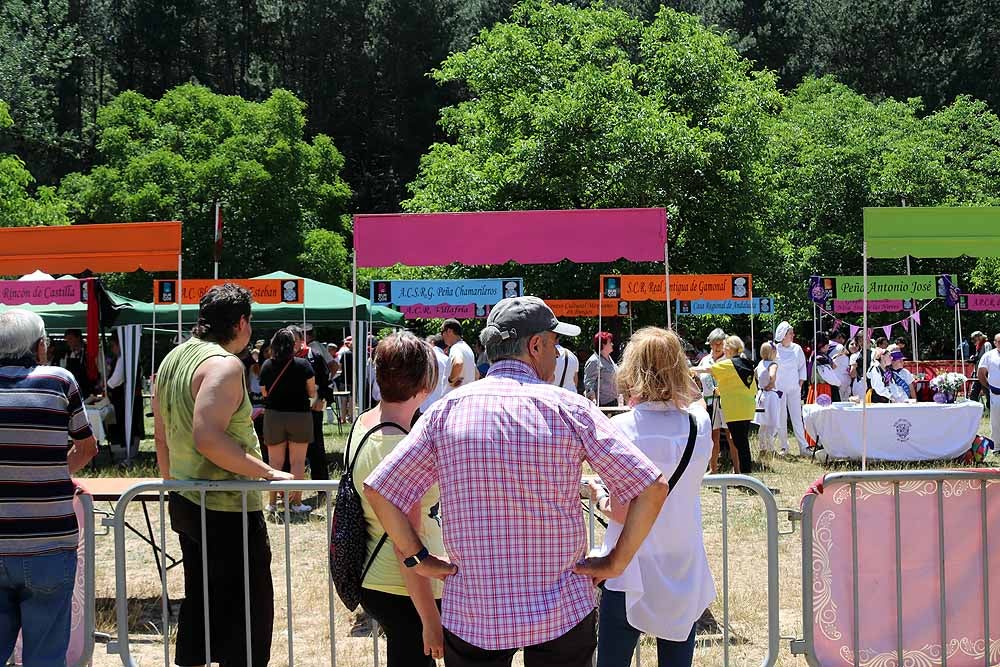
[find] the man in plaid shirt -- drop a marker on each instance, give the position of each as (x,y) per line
(507,452)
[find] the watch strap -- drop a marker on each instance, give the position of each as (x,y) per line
(417,558)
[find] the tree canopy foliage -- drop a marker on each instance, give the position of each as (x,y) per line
(173,158)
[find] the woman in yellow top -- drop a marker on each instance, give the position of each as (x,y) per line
(403,602)
(738,395)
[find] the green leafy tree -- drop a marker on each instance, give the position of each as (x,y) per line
(834,152)
(592,108)
(171,159)
(18,208)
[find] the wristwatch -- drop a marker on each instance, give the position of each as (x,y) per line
(417,558)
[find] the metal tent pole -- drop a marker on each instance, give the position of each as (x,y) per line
(666,268)
(864,357)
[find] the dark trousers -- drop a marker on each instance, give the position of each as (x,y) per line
(835,393)
(573,649)
(227,622)
(316,454)
(740,433)
(403,628)
(617,638)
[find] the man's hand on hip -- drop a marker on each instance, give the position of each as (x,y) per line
(435,567)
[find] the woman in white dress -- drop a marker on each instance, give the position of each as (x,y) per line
(668,584)
(767,398)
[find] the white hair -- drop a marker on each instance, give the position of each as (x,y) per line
(20,331)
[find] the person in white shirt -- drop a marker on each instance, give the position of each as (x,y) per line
(668,584)
(441,388)
(462,360)
(902,389)
(710,393)
(880,377)
(767,398)
(841,359)
(567,370)
(989,379)
(791,376)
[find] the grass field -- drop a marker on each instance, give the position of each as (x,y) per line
(307,604)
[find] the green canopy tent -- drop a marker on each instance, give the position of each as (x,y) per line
(324,303)
(940,231)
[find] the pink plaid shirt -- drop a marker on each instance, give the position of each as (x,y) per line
(507,452)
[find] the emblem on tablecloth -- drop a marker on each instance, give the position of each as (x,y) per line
(902,427)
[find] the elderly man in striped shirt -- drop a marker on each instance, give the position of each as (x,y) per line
(41,411)
(507,452)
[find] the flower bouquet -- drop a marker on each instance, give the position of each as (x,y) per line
(946,386)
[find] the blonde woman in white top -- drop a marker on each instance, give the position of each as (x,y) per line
(668,584)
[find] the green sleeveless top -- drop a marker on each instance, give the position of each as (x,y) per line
(173,389)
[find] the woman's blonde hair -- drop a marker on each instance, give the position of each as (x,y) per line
(768,351)
(654,368)
(734,343)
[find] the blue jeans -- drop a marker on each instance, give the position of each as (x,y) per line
(36,598)
(616,638)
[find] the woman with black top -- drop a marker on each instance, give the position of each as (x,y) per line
(289,390)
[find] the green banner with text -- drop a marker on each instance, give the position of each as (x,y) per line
(886,287)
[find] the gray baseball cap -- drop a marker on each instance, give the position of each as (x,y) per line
(522,316)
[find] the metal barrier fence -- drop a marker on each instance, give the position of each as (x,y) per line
(867,600)
(724,483)
(160,489)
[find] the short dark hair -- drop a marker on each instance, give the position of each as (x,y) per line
(451,325)
(821,339)
(836,333)
(437,341)
(73,332)
(404,366)
(900,340)
(220,311)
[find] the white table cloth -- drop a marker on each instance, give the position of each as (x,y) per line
(896,432)
(98,416)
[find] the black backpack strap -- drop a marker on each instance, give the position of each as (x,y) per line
(686,456)
(371,559)
(349,473)
(565,356)
(357,450)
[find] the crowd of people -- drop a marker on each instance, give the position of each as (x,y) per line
(468,467)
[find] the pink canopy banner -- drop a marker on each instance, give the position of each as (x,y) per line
(497,237)
(980,301)
(878,306)
(441,311)
(39,292)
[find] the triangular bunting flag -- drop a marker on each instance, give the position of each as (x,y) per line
(916,317)
(887,330)
(906,324)
(854,330)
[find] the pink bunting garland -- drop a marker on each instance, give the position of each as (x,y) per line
(887,329)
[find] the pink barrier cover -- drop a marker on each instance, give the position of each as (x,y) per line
(39,292)
(496,237)
(77,627)
(833,620)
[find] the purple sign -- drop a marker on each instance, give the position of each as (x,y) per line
(444,311)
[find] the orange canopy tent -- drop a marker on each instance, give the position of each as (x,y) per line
(117,247)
